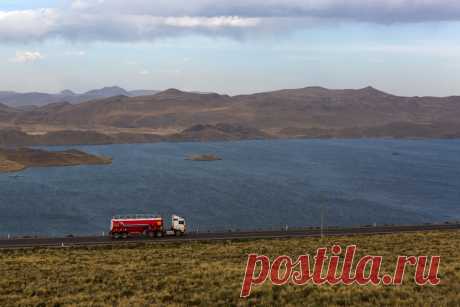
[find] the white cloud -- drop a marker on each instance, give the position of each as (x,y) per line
(134,20)
(27,56)
(27,24)
(144,72)
(364,10)
(209,22)
(75,53)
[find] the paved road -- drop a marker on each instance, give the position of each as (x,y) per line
(298,233)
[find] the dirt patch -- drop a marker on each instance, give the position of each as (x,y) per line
(10,166)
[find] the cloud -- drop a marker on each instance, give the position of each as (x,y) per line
(380,11)
(119,20)
(208,22)
(144,72)
(27,56)
(75,53)
(27,24)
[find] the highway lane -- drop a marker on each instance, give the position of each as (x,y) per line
(295,233)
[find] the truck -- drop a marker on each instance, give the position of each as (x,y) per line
(148,225)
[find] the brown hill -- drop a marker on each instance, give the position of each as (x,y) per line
(14,137)
(7,115)
(305,112)
(171,108)
(368,107)
(219,132)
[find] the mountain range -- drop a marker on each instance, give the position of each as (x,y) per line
(292,113)
(36,99)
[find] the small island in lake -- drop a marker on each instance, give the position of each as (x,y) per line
(18,159)
(203,158)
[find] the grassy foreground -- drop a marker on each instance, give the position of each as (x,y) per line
(210,274)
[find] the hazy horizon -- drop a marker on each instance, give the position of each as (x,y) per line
(220,93)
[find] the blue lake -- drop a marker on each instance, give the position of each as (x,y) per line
(258,184)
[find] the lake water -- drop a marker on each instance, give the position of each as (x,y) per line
(257,185)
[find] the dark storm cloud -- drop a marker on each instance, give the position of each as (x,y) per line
(379,11)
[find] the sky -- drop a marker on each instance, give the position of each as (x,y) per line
(405,47)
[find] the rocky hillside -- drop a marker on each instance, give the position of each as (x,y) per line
(305,112)
(219,132)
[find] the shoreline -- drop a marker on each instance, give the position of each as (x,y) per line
(37,145)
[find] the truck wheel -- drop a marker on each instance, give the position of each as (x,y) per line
(116,236)
(151,234)
(159,234)
(176,233)
(124,235)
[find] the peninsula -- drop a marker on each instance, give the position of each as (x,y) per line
(18,159)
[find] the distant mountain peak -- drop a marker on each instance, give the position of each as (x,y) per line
(113,88)
(28,99)
(108,91)
(170,91)
(67,93)
(372,90)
